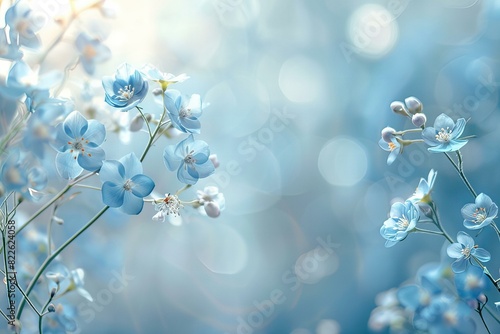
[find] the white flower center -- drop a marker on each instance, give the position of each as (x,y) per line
(480,215)
(169,205)
(444,135)
(185,112)
(128,185)
(402,224)
(126,93)
(466,252)
(78,146)
(189,159)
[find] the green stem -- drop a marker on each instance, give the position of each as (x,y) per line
(53,200)
(420,230)
(145,121)
(460,171)
(54,255)
(40,317)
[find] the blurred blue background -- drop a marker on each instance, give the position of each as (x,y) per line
(298,92)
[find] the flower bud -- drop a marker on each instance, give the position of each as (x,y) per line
(419,119)
(387,134)
(58,220)
(212,209)
(157,91)
(215,161)
(136,123)
(399,108)
(53,292)
(51,308)
(414,105)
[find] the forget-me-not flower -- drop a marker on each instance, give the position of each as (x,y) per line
(126,89)
(191,159)
(445,135)
(182,112)
(403,219)
(92,51)
(78,142)
(463,250)
(471,283)
(479,214)
(124,186)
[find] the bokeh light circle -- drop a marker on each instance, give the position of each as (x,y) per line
(372,30)
(297,70)
(342,162)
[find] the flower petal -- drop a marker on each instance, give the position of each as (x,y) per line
(112,194)
(143,185)
(132,204)
(67,166)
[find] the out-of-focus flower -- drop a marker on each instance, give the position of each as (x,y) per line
(183,113)
(23,23)
(77,142)
(126,89)
(445,135)
(463,250)
(211,200)
(8,50)
(124,186)
(17,175)
(471,283)
(403,219)
(92,51)
(479,214)
(164,79)
(62,320)
(23,80)
(190,158)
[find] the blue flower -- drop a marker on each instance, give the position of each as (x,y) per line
(394,147)
(126,89)
(65,281)
(470,283)
(23,23)
(23,80)
(463,250)
(444,136)
(479,214)
(78,141)
(92,51)
(445,315)
(164,79)
(423,192)
(8,50)
(191,159)
(403,219)
(124,185)
(183,113)
(17,175)
(61,321)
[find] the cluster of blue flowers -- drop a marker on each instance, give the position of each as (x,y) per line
(445,294)
(49,140)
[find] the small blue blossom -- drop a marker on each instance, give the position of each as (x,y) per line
(479,214)
(403,219)
(124,185)
(423,192)
(64,281)
(23,80)
(445,315)
(61,321)
(183,113)
(78,141)
(471,283)
(126,89)
(92,51)
(17,175)
(191,159)
(394,147)
(23,23)
(463,250)
(444,136)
